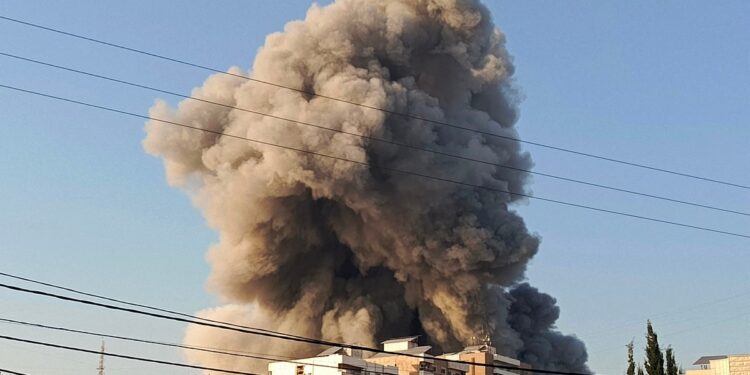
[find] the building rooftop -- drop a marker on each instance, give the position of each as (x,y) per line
(417,350)
(477,348)
(400,339)
(331,351)
(705,359)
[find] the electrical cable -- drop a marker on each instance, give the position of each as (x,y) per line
(98,296)
(384,110)
(138,305)
(122,356)
(5,371)
(671,313)
(372,138)
(71,290)
(259,356)
(268,334)
(384,168)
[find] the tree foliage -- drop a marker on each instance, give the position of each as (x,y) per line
(671,363)
(631,360)
(655,362)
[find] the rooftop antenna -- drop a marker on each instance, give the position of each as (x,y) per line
(101,361)
(488,340)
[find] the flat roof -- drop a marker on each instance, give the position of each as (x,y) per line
(400,339)
(705,359)
(414,351)
(330,351)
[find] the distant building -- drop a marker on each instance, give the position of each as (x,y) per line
(404,357)
(332,361)
(416,361)
(737,364)
(486,354)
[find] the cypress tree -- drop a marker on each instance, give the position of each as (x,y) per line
(631,361)
(654,362)
(671,365)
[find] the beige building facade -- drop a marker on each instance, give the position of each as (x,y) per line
(403,356)
(412,359)
(478,356)
(736,364)
(484,355)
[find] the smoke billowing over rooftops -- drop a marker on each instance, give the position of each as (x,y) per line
(326,248)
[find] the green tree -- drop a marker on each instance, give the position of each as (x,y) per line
(671,363)
(631,361)
(654,362)
(640,370)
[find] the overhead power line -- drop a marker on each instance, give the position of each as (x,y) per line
(101,297)
(258,356)
(266,333)
(668,313)
(122,356)
(104,298)
(372,138)
(6,371)
(390,169)
(384,110)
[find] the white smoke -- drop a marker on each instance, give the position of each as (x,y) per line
(327,248)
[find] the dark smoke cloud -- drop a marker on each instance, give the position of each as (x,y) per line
(326,248)
(533,315)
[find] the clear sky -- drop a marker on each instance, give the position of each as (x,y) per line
(665,83)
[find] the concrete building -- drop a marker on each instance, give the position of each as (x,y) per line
(737,364)
(332,361)
(486,355)
(412,359)
(405,357)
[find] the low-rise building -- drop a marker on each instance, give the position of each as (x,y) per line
(404,356)
(410,358)
(484,355)
(733,364)
(332,361)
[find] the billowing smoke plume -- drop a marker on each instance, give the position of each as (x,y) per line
(326,248)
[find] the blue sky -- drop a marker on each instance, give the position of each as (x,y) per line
(663,83)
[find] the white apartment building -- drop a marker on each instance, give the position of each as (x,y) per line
(412,359)
(734,364)
(404,357)
(332,361)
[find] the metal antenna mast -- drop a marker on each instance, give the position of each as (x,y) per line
(101,361)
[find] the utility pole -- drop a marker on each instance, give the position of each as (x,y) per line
(101,361)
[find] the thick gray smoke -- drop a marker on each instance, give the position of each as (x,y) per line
(533,315)
(331,249)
